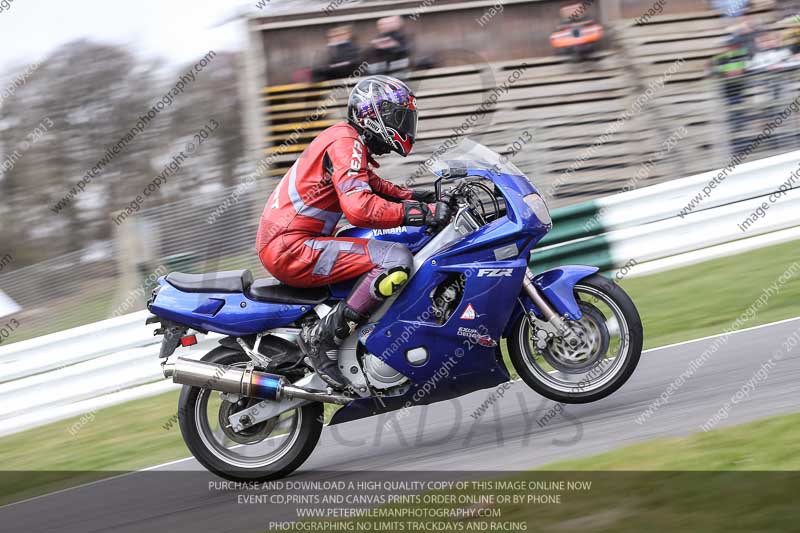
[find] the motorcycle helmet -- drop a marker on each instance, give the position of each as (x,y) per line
(384,110)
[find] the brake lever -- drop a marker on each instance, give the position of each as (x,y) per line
(451,197)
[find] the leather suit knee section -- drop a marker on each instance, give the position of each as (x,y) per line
(393,264)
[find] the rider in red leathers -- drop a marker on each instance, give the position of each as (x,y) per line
(334,176)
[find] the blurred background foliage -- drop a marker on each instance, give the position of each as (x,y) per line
(94,94)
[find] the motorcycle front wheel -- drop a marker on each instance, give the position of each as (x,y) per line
(268,450)
(610,333)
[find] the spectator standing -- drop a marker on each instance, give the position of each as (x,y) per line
(390,49)
(343,55)
(730,66)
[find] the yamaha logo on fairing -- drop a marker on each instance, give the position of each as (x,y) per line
(390,231)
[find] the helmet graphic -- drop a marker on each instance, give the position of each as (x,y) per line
(385,110)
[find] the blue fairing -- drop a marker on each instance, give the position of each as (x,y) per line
(226,313)
(341,291)
(413,237)
(456,363)
(409,322)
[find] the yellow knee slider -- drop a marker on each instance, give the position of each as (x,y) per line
(388,283)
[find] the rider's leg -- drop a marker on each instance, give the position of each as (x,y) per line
(392,263)
(385,267)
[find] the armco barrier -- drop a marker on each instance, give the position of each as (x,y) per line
(68,347)
(76,371)
(646,224)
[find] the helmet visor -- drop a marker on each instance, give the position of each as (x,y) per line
(402,119)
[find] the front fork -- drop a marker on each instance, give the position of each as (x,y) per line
(553,324)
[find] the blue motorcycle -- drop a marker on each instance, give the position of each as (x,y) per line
(252,408)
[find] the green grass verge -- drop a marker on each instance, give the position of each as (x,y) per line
(704,299)
(121,438)
(677,305)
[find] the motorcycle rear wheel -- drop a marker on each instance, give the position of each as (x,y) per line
(204,435)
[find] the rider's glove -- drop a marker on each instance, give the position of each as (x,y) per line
(416,214)
(422,195)
(431,215)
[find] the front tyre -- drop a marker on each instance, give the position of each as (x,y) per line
(268,450)
(610,331)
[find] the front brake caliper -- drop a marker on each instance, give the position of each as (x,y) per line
(544,332)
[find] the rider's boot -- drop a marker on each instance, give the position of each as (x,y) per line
(321,341)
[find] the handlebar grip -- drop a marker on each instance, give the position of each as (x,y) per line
(448,199)
(443,214)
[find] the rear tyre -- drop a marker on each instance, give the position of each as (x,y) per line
(612,333)
(251,455)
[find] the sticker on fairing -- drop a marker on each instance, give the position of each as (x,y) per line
(469,313)
(468,332)
(506,252)
(365,332)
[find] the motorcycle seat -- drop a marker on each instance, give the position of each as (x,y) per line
(228,281)
(266,290)
(272,291)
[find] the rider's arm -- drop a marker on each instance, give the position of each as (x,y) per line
(351,178)
(387,188)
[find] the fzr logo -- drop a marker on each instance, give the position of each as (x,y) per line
(495,272)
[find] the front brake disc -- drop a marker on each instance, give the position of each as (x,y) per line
(594,341)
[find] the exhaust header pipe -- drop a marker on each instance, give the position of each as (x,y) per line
(245,381)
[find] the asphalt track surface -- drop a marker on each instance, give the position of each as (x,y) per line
(445,437)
